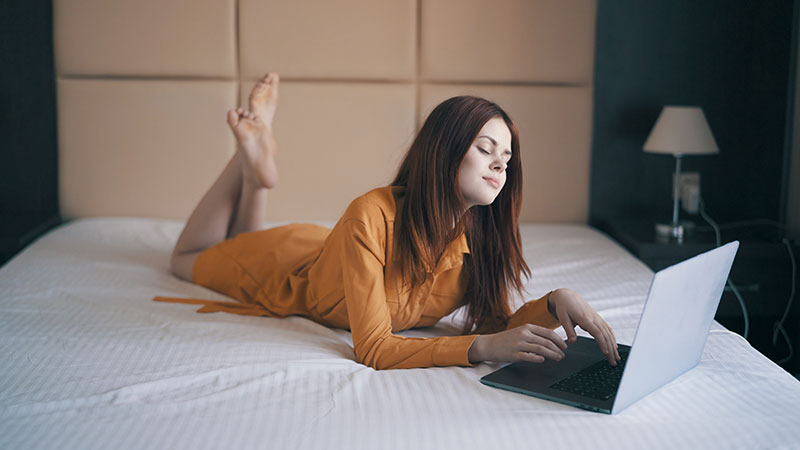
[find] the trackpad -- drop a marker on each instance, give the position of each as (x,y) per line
(578,355)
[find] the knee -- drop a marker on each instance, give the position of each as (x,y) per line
(181,265)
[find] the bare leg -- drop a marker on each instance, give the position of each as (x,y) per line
(236,202)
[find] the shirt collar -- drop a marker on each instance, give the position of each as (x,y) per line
(459,245)
(453,254)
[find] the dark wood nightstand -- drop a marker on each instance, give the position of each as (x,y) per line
(762,272)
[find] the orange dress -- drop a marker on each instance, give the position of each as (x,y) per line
(346,278)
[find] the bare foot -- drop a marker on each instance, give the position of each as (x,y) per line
(264,98)
(257,145)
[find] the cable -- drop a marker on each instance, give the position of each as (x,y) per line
(778,327)
(730,283)
(779,324)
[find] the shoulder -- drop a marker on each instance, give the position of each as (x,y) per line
(376,206)
(369,221)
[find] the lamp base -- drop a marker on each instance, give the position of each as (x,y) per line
(667,232)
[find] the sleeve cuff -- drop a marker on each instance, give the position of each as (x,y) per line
(535,312)
(453,350)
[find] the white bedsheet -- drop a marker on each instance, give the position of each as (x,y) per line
(87,360)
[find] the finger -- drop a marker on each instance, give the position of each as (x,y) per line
(548,334)
(557,339)
(569,327)
(600,337)
(614,338)
(611,342)
(530,357)
(541,344)
(612,352)
(543,349)
(542,335)
(614,345)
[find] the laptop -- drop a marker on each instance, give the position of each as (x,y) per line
(669,341)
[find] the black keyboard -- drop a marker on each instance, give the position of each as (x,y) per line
(598,381)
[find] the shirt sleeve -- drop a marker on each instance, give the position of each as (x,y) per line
(362,258)
(535,312)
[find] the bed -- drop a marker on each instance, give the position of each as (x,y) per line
(90,361)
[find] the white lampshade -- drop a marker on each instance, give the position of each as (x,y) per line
(681,130)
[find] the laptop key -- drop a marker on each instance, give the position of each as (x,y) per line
(598,381)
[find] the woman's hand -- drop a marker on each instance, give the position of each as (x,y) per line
(571,310)
(528,342)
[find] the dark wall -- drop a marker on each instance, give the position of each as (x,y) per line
(732,58)
(28,149)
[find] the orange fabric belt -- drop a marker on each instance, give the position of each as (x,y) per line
(211,306)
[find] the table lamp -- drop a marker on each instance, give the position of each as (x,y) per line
(679,131)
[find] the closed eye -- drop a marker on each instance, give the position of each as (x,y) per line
(483,150)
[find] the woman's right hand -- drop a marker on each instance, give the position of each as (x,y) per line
(527,342)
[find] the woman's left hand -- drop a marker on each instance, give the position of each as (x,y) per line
(571,310)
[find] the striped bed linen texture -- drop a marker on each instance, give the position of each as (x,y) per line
(89,361)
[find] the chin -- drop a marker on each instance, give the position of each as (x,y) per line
(482,198)
(488,201)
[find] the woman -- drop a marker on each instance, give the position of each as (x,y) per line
(443,235)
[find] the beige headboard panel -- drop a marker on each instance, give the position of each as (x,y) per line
(143,88)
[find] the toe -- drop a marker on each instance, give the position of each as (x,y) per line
(233,118)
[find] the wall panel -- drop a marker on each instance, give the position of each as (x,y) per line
(144,87)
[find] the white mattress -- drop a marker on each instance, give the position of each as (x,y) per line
(87,360)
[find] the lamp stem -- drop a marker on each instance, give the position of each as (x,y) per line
(676,186)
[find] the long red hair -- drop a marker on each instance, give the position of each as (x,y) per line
(433,204)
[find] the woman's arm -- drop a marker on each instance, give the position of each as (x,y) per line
(571,310)
(525,341)
(361,248)
(528,336)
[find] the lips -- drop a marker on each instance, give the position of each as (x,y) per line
(492,182)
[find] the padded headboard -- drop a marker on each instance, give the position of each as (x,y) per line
(143,88)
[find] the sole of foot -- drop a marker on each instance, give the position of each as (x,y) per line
(257,145)
(264,97)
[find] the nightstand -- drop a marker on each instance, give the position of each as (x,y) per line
(761,271)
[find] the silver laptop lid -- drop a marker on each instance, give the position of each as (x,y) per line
(674,325)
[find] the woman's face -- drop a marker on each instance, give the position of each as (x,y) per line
(482,173)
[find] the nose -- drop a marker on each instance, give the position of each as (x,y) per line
(498,165)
